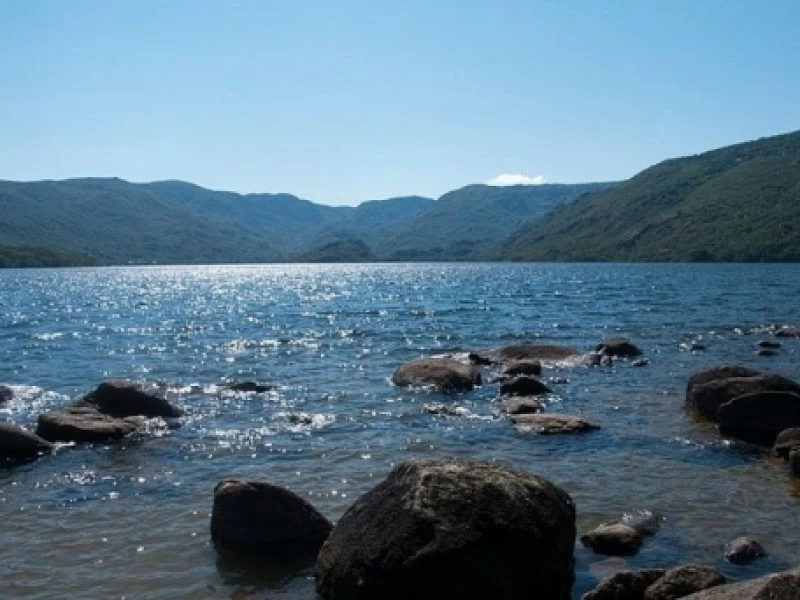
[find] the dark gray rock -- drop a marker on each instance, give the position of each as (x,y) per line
(552,423)
(681,581)
(744,550)
(268,518)
(618,347)
(18,444)
(708,397)
(625,585)
(521,405)
(476,358)
(718,372)
(645,522)
(779,586)
(250,386)
(523,386)
(787,440)
(123,398)
(768,344)
(444,374)
(452,529)
(533,352)
(787,331)
(613,539)
(6,394)
(83,423)
(794,462)
(766,352)
(759,418)
(523,367)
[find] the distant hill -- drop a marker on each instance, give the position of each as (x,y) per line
(112,221)
(738,203)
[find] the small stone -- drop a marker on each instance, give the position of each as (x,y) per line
(615,539)
(744,550)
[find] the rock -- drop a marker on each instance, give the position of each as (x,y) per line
(644,521)
(598,359)
(534,352)
(787,331)
(787,440)
(523,367)
(18,444)
(678,582)
(613,539)
(759,417)
(718,372)
(708,397)
(262,516)
(447,410)
(640,362)
(444,374)
(123,398)
(625,585)
(619,347)
(249,386)
(779,586)
(768,344)
(83,423)
(794,462)
(744,550)
(459,529)
(523,386)
(766,352)
(6,394)
(521,405)
(552,423)
(479,359)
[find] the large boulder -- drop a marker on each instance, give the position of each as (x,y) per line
(613,539)
(618,347)
(787,440)
(123,398)
(779,586)
(261,516)
(84,423)
(710,396)
(452,529)
(552,423)
(444,374)
(625,585)
(6,394)
(718,372)
(759,417)
(523,386)
(18,444)
(681,581)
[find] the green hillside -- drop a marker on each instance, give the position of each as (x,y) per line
(738,203)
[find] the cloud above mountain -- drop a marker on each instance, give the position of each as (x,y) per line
(517,179)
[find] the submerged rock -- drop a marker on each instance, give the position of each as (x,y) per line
(6,394)
(249,386)
(681,581)
(779,586)
(262,516)
(618,347)
(768,344)
(552,423)
(523,386)
(523,367)
(759,417)
(787,440)
(744,550)
(444,374)
(452,529)
(521,405)
(613,539)
(766,352)
(18,444)
(625,585)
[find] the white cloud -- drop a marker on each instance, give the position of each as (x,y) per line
(517,179)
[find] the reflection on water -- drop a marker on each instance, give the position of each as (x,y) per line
(133,519)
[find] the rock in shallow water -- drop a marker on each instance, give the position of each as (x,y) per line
(552,423)
(523,386)
(625,585)
(18,444)
(82,423)
(618,347)
(6,394)
(452,529)
(521,405)
(759,417)
(614,539)
(684,580)
(708,397)
(787,440)
(123,398)
(779,586)
(268,518)
(444,374)
(523,367)
(744,550)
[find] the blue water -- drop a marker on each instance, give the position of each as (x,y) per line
(132,519)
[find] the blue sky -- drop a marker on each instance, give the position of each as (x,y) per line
(345,101)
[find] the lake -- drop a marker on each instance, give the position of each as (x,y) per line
(132,519)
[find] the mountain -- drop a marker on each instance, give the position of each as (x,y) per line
(738,203)
(112,221)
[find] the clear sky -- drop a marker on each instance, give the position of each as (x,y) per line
(343,101)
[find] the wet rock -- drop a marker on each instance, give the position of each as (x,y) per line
(447,410)
(298,418)
(794,462)
(759,418)
(83,423)
(708,397)
(640,362)
(718,372)
(644,521)
(477,358)
(779,586)
(766,352)
(444,374)
(18,444)
(123,398)
(266,517)
(533,352)
(523,367)
(558,380)
(743,551)
(598,359)
(613,539)
(768,344)
(625,585)
(249,386)
(681,581)
(552,423)
(523,386)
(787,331)
(787,440)
(618,347)
(521,405)
(6,394)
(459,529)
